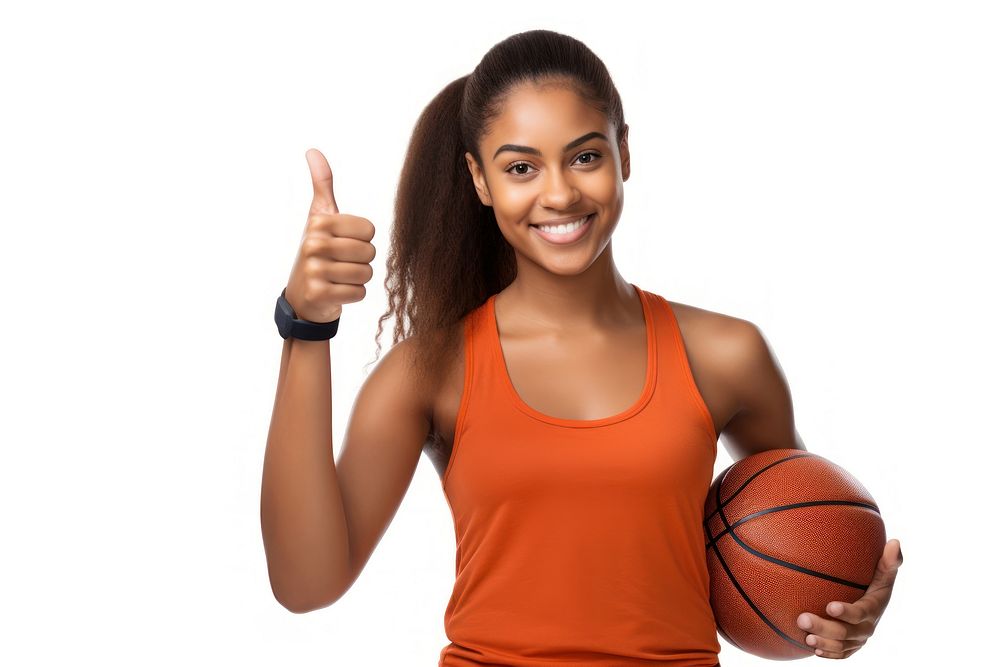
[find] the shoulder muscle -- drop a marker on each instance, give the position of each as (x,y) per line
(764,418)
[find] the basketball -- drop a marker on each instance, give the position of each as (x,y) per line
(786,532)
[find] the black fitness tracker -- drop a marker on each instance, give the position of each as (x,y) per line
(290,325)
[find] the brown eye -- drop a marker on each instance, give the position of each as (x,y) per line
(593,154)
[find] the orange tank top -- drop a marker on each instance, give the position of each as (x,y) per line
(580,541)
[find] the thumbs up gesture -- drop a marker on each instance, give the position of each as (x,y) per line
(334,260)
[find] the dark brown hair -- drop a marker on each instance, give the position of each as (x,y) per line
(446,253)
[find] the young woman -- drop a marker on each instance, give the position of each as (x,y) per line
(573,416)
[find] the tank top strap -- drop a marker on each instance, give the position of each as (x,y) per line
(482,389)
(675,375)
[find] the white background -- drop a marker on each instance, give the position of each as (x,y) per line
(828,171)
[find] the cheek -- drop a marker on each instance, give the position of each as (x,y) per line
(608,192)
(513,204)
(515,237)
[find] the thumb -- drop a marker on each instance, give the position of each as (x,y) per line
(897,560)
(888,564)
(322,179)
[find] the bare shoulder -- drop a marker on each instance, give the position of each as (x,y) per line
(741,379)
(437,399)
(396,371)
(723,338)
(724,353)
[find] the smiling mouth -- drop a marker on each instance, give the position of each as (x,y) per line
(566,227)
(565,234)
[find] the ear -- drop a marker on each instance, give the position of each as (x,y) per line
(478,179)
(623,152)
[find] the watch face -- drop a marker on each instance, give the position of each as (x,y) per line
(286,307)
(283,317)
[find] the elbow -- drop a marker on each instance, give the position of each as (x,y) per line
(291,604)
(300,595)
(305,603)
(295,608)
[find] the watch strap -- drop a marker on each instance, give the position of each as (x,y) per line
(289,326)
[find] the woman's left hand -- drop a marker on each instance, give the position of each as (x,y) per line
(854,622)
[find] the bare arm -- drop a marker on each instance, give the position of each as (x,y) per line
(301,513)
(321,520)
(764,418)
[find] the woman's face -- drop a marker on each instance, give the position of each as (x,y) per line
(552,157)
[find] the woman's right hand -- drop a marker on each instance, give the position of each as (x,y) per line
(334,260)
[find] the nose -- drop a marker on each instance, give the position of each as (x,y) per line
(558,192)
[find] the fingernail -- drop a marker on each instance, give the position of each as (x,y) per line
(805,623)
(836,608)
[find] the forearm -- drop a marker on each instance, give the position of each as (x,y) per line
(302,514)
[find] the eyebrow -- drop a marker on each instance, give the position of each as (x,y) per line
(534,151)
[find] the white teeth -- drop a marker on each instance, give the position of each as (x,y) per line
(563,229)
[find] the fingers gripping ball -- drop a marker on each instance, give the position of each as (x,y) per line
(786,532)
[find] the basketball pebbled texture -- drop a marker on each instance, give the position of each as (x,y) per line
(787,532)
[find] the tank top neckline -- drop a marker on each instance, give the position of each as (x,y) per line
(493,333)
